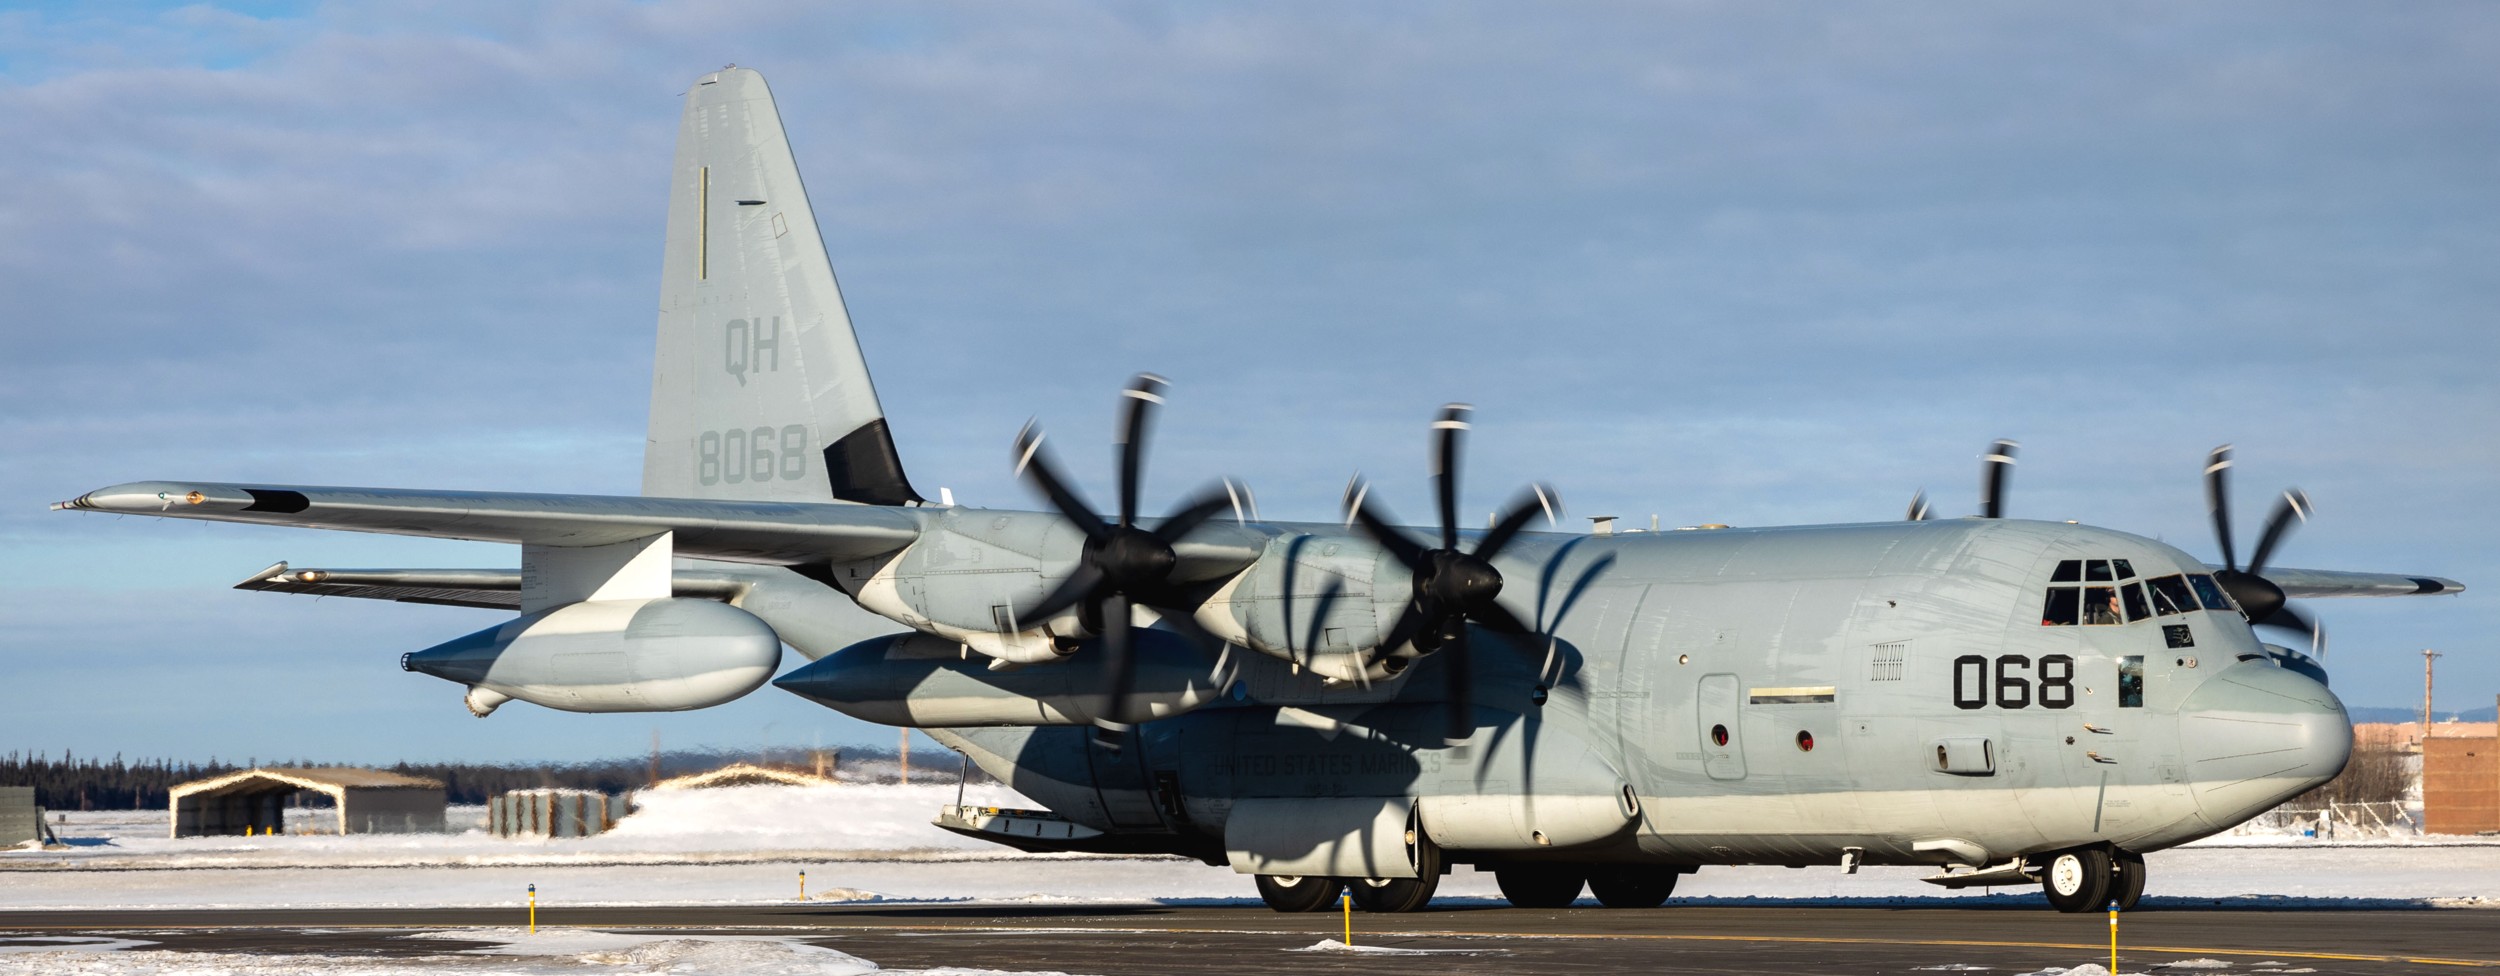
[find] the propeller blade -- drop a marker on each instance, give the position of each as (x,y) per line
(1360,512)
(1537,500)
(2288,618)
(1458,685)
(1078,586)
(1192,515)
(1144,393)
(1500,618)
(1918,507)
(1999,465)
(1409,625)
(1450,428)
(1115,659)
(2218,501)
(2293,505)
(1034,463)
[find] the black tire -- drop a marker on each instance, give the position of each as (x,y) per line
(1541,885)
(1632,887)
(2126,886)
(2077,880)
(1289,894)
(1392,895)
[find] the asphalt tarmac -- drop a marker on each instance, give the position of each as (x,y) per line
(1156,939)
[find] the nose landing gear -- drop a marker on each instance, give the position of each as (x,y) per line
(2090,879)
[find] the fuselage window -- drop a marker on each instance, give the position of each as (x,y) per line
(2210,592)
(2133,593)
(2131,682)
(2096,571)
(2171,595)
(2061,610)
(2100,605)
(2070,571)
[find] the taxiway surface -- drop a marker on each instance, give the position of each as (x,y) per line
(1161,939)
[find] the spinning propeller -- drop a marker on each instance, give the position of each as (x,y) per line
(1123,564)
(1995,468)
(1451,587)
(2258,597)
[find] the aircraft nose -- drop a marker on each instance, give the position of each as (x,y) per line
(2255,735)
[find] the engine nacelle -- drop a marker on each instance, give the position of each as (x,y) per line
(928,682)
(661,655)
(1322,603)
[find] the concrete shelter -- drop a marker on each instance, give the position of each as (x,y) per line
(368,801)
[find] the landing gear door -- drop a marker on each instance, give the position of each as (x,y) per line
(1120,778)
(1719,710)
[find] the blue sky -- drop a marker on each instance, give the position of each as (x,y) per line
(1740,263)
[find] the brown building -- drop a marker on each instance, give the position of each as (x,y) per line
(2461,779)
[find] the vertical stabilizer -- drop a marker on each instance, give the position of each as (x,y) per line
(758,390)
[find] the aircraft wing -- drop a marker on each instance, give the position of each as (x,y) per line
(2306,584)
(488,589)
(781,533)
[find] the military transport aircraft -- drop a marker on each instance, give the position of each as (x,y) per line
(1355,707)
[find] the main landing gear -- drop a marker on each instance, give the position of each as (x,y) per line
(2090,879)
(1290,893)
(1558,885)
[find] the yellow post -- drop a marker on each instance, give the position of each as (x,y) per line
(1345,900)
(2113,937)
(802,884)
(533,909)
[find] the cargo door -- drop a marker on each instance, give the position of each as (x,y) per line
(1718,708)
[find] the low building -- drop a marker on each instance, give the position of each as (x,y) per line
(254,801)
(20,819)
(555,813)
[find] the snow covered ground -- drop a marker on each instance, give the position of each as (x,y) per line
(747,845)
(554,952)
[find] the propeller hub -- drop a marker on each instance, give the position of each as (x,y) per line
(1132,557)
(2256,595)
(1459,581)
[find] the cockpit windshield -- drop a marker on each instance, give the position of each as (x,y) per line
(2121,598)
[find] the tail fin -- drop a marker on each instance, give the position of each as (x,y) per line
(758,390)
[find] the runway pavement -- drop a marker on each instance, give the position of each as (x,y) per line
(1158,939)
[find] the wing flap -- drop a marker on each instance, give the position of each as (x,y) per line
(2312,584)
(781,533)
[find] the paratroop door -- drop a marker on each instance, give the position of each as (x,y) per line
(1722,737)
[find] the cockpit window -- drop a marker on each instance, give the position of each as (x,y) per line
(2133,594)
(2096,571)
(2171,595)
(2061,609)
(2124,569)
(2100,606)
(2210,592)
(2069,571)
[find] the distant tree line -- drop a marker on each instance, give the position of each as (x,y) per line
(68,782)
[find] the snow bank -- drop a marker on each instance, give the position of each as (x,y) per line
(515,952)
(738,823)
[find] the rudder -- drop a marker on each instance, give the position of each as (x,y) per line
(758,389)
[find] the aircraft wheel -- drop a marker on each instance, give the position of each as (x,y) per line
(1288,893)
(1632,887)
(1540,885)
(1388,895)
(2077,880)
(2127,885)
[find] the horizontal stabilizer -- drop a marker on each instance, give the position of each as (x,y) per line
(2306,584)
(779,533)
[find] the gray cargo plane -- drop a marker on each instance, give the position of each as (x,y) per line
(1355,707)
